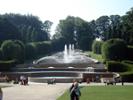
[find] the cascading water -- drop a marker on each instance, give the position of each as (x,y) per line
(70,50)
(65,51)
(68,53)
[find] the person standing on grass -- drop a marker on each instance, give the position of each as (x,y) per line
(75,91)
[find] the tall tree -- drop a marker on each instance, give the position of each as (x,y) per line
(128,27)
(66,29)
(47,26)
(8,30)
(27,24)
(75,30)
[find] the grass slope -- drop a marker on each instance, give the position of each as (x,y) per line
(103,93)
(94,56)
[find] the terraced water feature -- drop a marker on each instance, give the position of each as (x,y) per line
(64,67)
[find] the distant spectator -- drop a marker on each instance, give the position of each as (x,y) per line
(24,80)
(87,80)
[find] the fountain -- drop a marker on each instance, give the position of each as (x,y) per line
(68,53)
(64,67)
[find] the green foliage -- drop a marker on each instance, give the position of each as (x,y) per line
(47,25)
(30,51)
(7,65)
(66,29)
(35,49)
(97,46)
(43,48)
(29,26)
(1,54)
(125,68)
(95,56)
(13,50)
(8,30)
(128,27)
(115,66)
(76,31)
(130,53)
(128,75)
(114,49)
(58,44)
(85,43)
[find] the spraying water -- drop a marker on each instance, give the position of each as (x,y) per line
(68,53)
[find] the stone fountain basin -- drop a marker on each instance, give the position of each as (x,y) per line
(57,79)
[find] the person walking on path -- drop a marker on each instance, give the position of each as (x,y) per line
(75,91)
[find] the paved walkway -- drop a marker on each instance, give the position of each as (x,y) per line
(34,91)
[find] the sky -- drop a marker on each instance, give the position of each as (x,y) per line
(55,10)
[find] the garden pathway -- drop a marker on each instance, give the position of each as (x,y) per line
(34,91)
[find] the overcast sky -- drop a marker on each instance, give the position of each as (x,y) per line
(54,10)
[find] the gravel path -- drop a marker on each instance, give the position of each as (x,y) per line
(34,91)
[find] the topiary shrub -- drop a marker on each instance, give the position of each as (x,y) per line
(13,50)
(96,47)
(114,49)
(115,66)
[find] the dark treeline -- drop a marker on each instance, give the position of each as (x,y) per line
(27,28)
(82,33)
(23,37)
(26,36)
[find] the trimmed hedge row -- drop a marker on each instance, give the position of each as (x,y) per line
(37,48)
(114,66)
(125,68)
(130,53)
(7,65)
(127,77)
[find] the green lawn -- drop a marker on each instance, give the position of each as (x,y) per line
(103,93)
(94,56)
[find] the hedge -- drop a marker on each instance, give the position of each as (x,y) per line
(127,76)
(130,53)
(125,68)
(114,49)
(115,66)
(7,65)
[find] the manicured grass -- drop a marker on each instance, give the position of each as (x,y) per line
(94,56)
(103,93)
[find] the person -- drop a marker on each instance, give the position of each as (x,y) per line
(75,91)
(1,94)
(87,80)
(24,80)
